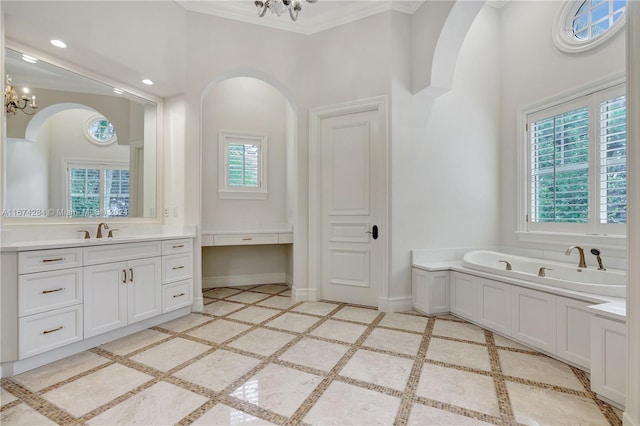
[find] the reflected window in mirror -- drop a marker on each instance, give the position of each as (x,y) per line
(98,190)
(100,131)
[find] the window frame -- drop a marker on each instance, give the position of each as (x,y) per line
(102,166)
(606,235)
(563,34)
(226,191)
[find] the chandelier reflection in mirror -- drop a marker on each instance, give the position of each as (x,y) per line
(13,102)
(280,6)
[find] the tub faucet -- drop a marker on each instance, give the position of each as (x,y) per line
(102,224)
(582,263)
(507,266)
(541,271)
(596,253)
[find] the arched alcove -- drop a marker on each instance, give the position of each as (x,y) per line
(249,103)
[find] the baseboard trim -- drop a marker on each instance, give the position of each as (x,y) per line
(239,280)
(304,294)
(198,304)
(395,304)
(289,281)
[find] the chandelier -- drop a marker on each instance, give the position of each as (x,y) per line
(13,102)
(280,6)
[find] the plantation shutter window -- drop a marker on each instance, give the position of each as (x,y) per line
(242,165)
(97,190)
(577,165)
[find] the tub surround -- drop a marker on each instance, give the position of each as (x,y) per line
(582,329)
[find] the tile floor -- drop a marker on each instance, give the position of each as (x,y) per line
(256,357)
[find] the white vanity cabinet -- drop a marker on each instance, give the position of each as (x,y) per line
(49,300)
(121,286)
(177,274)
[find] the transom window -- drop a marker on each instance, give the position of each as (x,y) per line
(242,165)
(577,165)
(98,190)
(582,25)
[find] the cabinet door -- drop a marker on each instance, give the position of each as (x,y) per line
(494,305)
(144,289)
(574,331)
(463,296)
(105,298)
(534,318)
(608,359)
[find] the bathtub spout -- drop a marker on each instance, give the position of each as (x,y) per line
(507,266)
(582,263)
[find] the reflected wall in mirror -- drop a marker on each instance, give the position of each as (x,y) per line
(87,151)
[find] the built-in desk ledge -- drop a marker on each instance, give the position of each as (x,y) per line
(81,242)
(612,310)
(243,237)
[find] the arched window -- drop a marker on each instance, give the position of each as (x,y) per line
(100,131)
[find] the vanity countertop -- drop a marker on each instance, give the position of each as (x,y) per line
(80,242)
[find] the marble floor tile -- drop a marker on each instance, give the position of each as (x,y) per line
(378,369)
(508,343)
(58,371)
(352,313)
(293,322)
(461,388)
(338,330)
(186,322)
(315,354)
(247,297)
(536,406)
(135,341)
(539,368)
(278,302)
(271,288)
(217,370)
(22,414)
(278,389)
(222,292)
(262,341)
(222,308)
(170,354)
(422,415)
(286,293)
(224,415)
(219,331)
(316,308)
(254,314)
(96,389)
(162,403)
(394,341)
(6,397)
(344,404)
(457,353)
(463,331)
(405,322)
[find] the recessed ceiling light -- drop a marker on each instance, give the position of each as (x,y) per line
(118,91)
(29,59)
(147,82)
(59,43)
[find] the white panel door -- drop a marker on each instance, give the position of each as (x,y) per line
(144,289)
(352,185)
(105,298)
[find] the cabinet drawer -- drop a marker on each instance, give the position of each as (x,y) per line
(176,267)
(49,330)
(45,291)
(244,239)
(176,295)
(49,260)
(184,245)
(119,252)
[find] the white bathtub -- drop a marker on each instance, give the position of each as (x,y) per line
(562,275)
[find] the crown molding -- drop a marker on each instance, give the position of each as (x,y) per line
(343,13)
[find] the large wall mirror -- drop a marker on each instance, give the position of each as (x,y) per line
(88,150)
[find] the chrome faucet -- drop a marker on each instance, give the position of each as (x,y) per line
(102,224)
(582,263)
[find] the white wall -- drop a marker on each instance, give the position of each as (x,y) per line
(445,169)
(533,69)
(244,104)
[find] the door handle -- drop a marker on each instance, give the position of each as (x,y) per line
(374,232)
